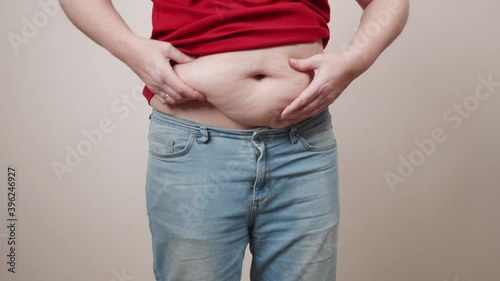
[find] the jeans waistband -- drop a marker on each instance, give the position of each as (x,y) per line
(261,132)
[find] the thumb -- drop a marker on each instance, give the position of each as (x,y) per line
(178,56)
(304,64)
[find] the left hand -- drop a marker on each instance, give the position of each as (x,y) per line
(332,74)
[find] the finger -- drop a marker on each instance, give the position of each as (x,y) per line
(170,94)
(302,100)
(320,102)
(305,64)
(301,115)
(160,98)
(167,96)
(179,87)
(173,97)
(176,55)
(296,105)
(315,110)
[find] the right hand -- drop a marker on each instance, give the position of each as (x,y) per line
(150,60)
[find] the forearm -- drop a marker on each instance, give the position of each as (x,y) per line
(99,20)
(381,23)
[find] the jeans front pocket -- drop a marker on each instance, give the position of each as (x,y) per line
(318,135)
(169,142)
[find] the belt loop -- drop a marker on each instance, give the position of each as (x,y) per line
(203,137)
(294,136)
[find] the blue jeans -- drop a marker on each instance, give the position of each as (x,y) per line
(211,191)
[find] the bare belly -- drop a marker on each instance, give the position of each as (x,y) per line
(244,89)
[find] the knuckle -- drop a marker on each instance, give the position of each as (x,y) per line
(192,94)
(156,90)
(179,89)
(157,81)
(156,76)
(168,46)
(316,59)
(162,100)
(322,87)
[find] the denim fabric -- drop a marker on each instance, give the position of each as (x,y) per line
(212,191)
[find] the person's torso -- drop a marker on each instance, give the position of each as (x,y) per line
(245,86)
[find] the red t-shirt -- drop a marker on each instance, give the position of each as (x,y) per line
(200,27)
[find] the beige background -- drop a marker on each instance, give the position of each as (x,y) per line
(440,222)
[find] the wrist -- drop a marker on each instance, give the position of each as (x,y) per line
(124,45)
(358,60)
